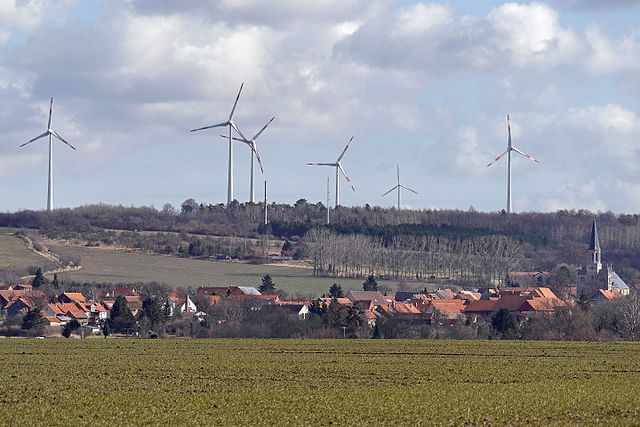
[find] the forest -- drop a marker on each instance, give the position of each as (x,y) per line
(467,245)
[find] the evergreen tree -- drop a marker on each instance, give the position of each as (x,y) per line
(335,291)
(33,319)
(371,284)
(38,279)
(70,327)
(106,329)
(56,282)
(267,285)
(121,316)
(503,321)
(152,310)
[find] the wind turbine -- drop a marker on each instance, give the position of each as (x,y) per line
(51,133)
(254,148)
(399,187)
(338,165)
(233,126)
(510,148)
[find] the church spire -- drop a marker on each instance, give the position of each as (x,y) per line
(594,242)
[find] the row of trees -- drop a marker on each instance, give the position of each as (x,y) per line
(242,219)
(481,259)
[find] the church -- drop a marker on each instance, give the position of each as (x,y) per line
(592,277)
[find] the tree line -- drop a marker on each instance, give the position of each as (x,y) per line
(482,259)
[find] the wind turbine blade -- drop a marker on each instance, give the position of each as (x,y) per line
(509,130)
(50,110)
(345,150)
(398,169)
(53,132)
(498,158)
(322,164)
(263,128)
(525,154)
(233,125)
(345,175)
(389,191)
(236,103)
(407,188)
(36,138)
(212,126)
(254,147)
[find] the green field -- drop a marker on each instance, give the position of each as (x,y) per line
(17,257)
(100,265)
(315,382)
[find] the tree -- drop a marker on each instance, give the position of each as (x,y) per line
(38,279)
(70,327)
(503,321)
(106,329)
(335,291)
(56,282)
(33,319)
(121,316)
(267,285)
(287,246)
(189,205)
(371,284)
(152,310)
(629,323)
(166,311)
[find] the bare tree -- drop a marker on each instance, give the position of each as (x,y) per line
(629,322)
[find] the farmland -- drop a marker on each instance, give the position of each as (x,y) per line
(311,382)
(16,256)
(100,265)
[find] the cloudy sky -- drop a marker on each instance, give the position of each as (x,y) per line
(426,85)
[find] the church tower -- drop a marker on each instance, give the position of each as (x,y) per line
(595,261)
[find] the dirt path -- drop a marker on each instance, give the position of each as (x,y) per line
(46,253)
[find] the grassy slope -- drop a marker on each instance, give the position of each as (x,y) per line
(115,266)
(310,382)
(15,255)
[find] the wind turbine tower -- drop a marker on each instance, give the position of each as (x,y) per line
(233,126)
(399,187)
(51,133)
(328,201)
(338,165)
(254,149)
(510,148)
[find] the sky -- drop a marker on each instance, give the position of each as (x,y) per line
(423,85)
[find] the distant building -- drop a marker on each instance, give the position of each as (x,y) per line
(592,277)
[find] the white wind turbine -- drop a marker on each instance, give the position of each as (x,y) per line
(231,125)
(338,165)
(399,187)
(254,149)
(51,133)
(510,148)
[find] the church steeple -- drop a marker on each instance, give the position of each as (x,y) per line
(594,247)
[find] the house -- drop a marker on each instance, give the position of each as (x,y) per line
(71,297)
(7,295)
(370,318)
(188,306)
(604,295)
(359,297)
(540,306)
(451,309)
(125,291)
(18,305)
(301,310)
(528,278)
(342,301)
(444,294)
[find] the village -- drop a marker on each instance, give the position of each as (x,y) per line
(93,315)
